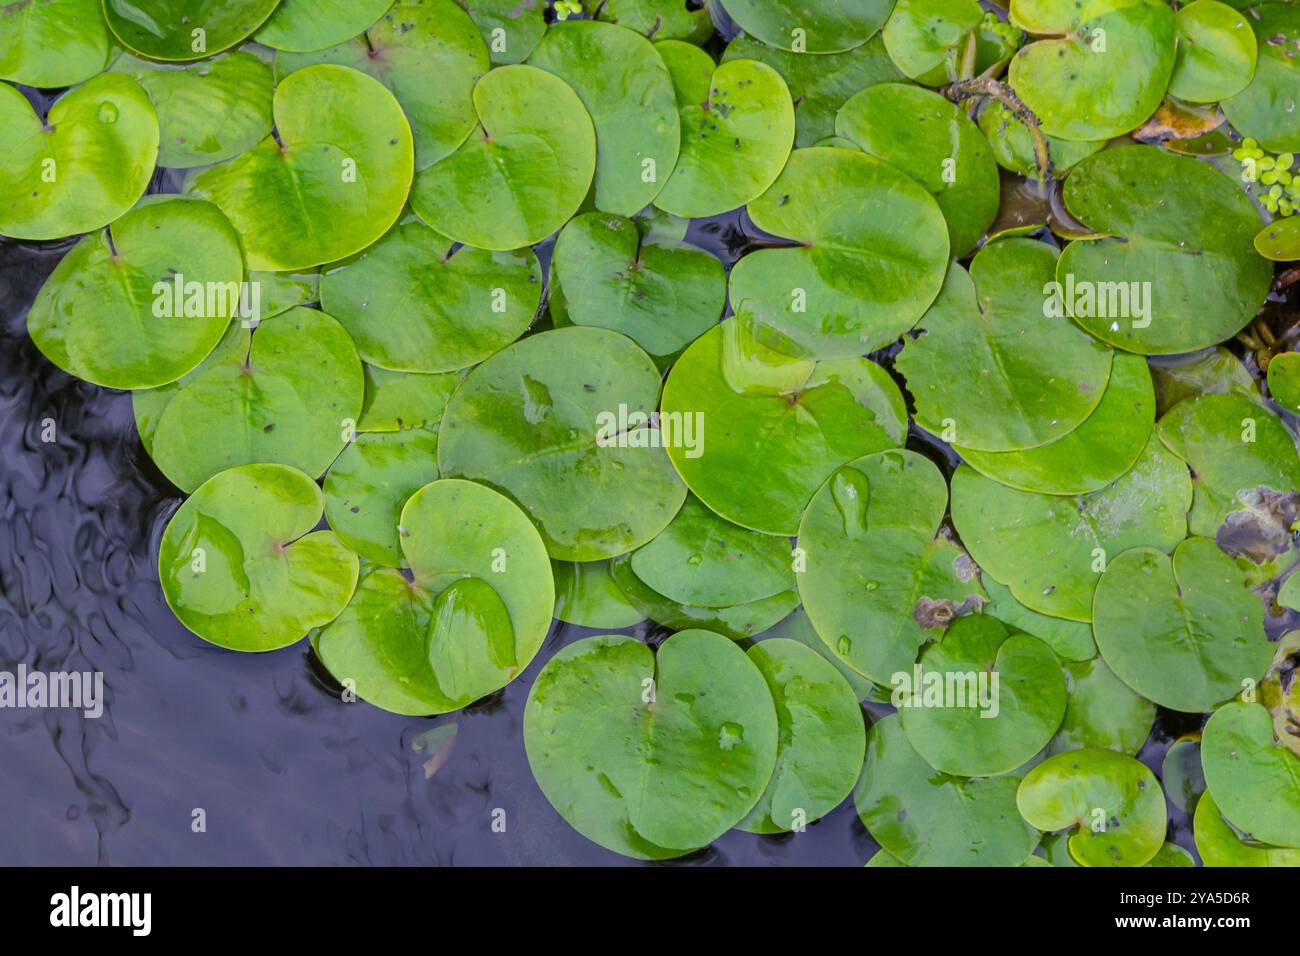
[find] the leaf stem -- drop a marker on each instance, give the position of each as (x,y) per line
(987,86)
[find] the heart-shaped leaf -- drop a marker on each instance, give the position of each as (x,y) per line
(1050,550)
(470,618)
(880,582)
(559,421)
(52,44)
(144,301)
(1216,52)
(301,26)
(185,29)
(626,88)
(810,26)
(820,416)
(415,301)
(510,28)
(331,180)
(737,128)
(52,176)
(1114,801)
(242,568)
(983,701)
(288,392)
(1255,782)
(1219,844)
(1266,109)
(522,173)
(1102,712)
(927,38)
(651,756)
(586,595)
(1174,272)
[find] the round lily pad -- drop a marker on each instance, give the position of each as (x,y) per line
(926,38)
(661,296)
(821,742)
(184,29)
(1038,377)
(301,26)
(52,179)
(207,112)
(242,568)
(1013,144)
(415,301)
(522,173)
(1114,801)
(586,595)
(1102,712)
(531,420)
(819,85)
(328,183)
(510,28)
(1184,632)
(932,140)
(1174,272)
(1280,240)
(288,392)
(1219,844)
(986,701)
(1092,456)
(626,88)
(1069,640)
(810,26)
(925,818)
(737,128)
(1236,449)
(1050,550)
(852,284)
(1102,67)
(826,413)
(1284,380)
(470,618)
(430,54)
(51,44)
(1254,781)
(143,302)
(1266,109)
(651,755)
(1216,52)
(880,581)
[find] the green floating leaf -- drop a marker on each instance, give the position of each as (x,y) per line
(399,400)
(1219,844)
(926,38)
(626,88)
(880,582)
(797,627)
(144,301)
(1214,372)
(851,284)
(184,29)
(657,19)
(1216,52)
(810,26)
(651,756)
(207,112)
(1069,640)
(522,173)
(1185,632)
(819,85)
(1092,456)
(586,595)
(1013,144)
(986,701)
(52,179)
(1039,377)
(821,742)
(1266,109)
(560,422)
(1236,449)
(510,28)
(925,818)
(1115,802)
(242,568)
(1051,550)
(932,140)
(1280,240)
(1122,47)
(1253,780)
(414,302)
(1102,713)
(1175,271)
(1181,773)
(286,392)
(825,413)
(607,274)
(301,26)
(429,54)
(737,128)
(53,43)
(470,618)
(330,182)
(280,292)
